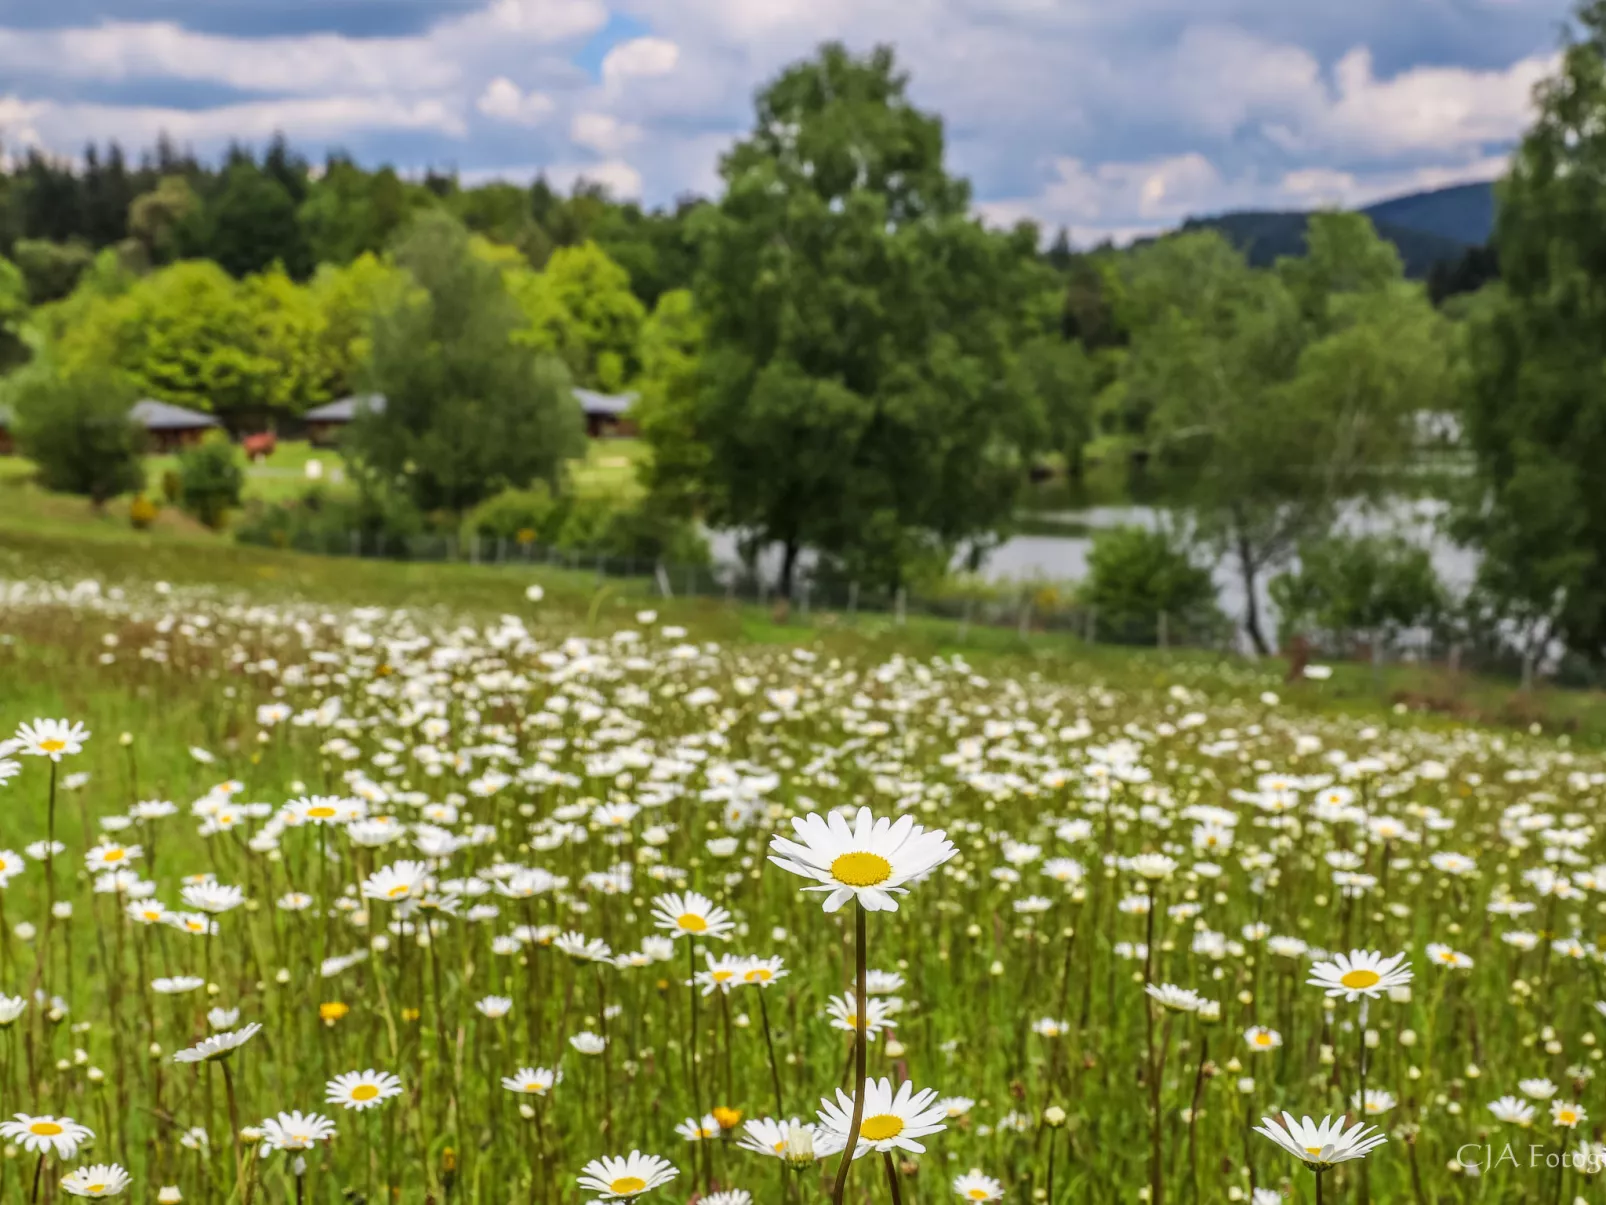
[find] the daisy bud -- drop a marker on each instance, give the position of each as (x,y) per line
(1472,1071)
(1407,1037)
(895,1049)
(1054,1116)
(61,910)
(168,1194)
(282,976)
(526,1112)
(1373,1039)
(1553,1047)
(1246,1085)
(24,931)
(996,969)
(1326,1055)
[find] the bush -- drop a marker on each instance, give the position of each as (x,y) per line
(141,512)
(593,525)
(76,428)
(1379,585)
(1135,575)
(210,479)
(513,513)
(316,522)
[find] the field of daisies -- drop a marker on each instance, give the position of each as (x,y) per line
(332,904)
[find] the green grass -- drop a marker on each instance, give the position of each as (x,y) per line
(996,747)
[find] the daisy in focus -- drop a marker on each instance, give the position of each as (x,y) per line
(869,862)
(892,1120)
(1360,973)
(1321,1145)
(624,1179)
(362,1089)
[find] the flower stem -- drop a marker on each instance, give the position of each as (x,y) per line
(775,1070)
(860,1053)
(892,1178)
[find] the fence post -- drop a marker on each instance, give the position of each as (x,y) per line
(356,542)
(1024,626)
(663,580)
(1163,636)
(1092,625)
(730,588)
(763,589)
(1455,658)
(901,605)
(964,620)
(1527,669)
(691,581)
(803,599)
(853,601)
(501,550)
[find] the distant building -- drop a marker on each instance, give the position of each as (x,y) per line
(324,423)
(168,428)
(171,428)
(606,415)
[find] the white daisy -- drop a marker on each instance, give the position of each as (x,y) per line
(362,1089)
(1360,973)
(616,1179)
(96,1180)
(892,1121)
(868,862)
(1321,1145)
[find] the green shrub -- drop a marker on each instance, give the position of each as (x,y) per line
(317,522)
(1344,585)
(514,512)
(210,479)
(1136,575)
(75,426)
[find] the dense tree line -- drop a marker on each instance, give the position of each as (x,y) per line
(250,212)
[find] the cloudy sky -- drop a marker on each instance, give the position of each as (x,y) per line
(1106,116)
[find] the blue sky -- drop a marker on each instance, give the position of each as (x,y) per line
(1112,117)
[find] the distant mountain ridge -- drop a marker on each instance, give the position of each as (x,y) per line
(1427,228)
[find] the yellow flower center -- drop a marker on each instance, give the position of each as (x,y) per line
(364,1092)
(45,1129)
(1314,1150)
(1447,956)
(322,812)
(758,975)
(721,976)
(861,869)
(691,922)
(1566,1117)
(626,1186)
(396,892)
(977,1194)
(1262,1039)
(534,1085)
(52,745)
(97,1189)
(115,855)
(881,1127)
(1360,978)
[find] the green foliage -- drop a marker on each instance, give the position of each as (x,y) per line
(157,218)
(1535,413)
(1135,575)
(666,412)
(469,410)
(51,269)
(580,309)
(210,479)
(350,213)
(856,389)
(13,313)
(251,224)
(1274,403)
(322,522)
(1379,585)
(74,424)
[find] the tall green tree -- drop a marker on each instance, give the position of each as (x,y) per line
(1274,405)
(580,309)
(252,224)
(1535,413)
(469,410)
(856,393)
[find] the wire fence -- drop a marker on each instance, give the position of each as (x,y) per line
(1026,607)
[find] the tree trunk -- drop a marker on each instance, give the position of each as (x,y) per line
(1246,567)
(788,567)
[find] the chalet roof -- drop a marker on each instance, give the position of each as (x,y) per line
(164,416)
(345,409)
(607,405)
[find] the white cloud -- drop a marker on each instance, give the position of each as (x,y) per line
(618,177)
(506,101)
(639,57)
(1111,118)
(603,133)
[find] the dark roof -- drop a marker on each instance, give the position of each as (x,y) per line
(344,410)
(607,405)
(163,416)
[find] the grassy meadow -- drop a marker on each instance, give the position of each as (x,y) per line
(409,820)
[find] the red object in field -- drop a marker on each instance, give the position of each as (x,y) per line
(259,447)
